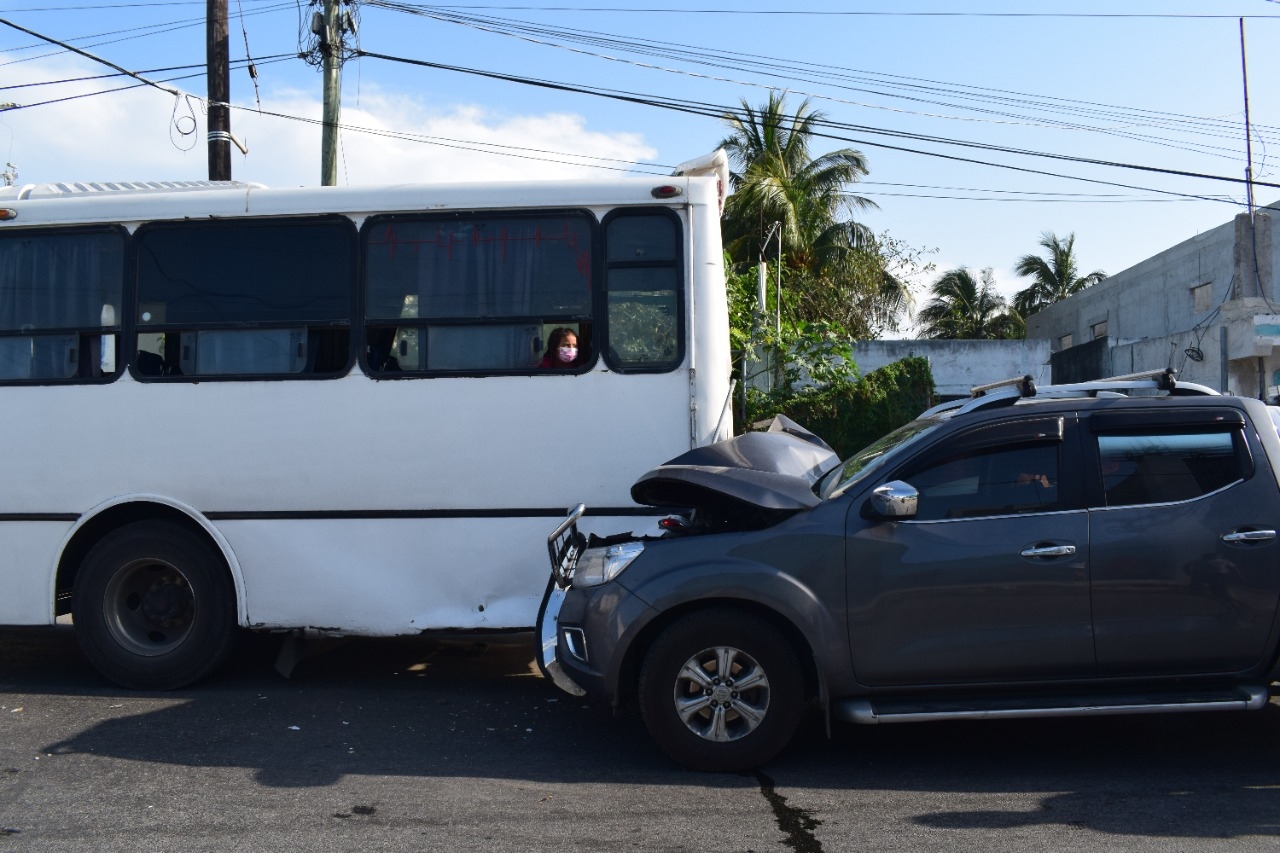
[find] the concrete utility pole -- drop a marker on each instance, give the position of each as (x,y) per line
(218,74)
(1248,130)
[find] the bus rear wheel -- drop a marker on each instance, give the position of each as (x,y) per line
(154,607)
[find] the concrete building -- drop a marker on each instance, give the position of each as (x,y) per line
(1207,307)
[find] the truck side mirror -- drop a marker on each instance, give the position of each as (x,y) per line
(895,500)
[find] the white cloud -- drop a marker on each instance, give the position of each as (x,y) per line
(135,135)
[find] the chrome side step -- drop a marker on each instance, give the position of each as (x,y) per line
(874,711)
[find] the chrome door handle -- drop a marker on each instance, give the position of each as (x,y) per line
(1050,551)
(1249,536)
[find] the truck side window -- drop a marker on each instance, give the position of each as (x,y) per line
(1164,467)
(988,481)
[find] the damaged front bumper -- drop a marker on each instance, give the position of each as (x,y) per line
(564,546)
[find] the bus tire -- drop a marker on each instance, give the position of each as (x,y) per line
(721,691)
(154,606)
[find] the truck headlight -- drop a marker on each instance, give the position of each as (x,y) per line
(599,565)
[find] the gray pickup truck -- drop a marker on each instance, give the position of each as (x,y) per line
(1101,548)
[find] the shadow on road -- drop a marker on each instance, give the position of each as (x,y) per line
(444,708)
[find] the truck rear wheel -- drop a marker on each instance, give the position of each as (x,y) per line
(154,607)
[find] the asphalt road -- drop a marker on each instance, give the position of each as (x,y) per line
(430,745)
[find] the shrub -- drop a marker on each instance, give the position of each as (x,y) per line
(849,413)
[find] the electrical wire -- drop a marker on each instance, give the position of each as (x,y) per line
(104,6)
(137,32)
(82,95)
(715,111)
(719,112)
(865,13)
(235,64)
(701,54)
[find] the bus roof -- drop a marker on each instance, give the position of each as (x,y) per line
(128,202)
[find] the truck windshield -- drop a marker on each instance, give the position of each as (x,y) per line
(872,457)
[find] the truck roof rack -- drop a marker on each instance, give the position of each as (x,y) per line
(1009,391)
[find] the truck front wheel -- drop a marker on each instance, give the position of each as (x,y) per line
(721,691)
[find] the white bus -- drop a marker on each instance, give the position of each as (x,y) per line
(329,409)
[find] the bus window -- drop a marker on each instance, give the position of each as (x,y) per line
(58,297)
(244,299)
(472,294)
(642,268)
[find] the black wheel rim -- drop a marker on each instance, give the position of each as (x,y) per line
(149,607)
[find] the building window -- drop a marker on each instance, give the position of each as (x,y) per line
(1064,342)
(1098,330)
(1201,298)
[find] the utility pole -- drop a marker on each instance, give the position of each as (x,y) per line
(327,51)
(1248,130)
(330,33)
(218,74)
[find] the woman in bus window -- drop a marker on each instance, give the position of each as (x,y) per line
(562,350)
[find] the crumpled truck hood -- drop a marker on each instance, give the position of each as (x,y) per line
(774,469)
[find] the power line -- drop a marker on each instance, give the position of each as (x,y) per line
(930,89)
(709,110)
(100,39)
(236,63)
(735,11)
(860,13)
(105,6)
(83,95)
(718,112)
(88,55)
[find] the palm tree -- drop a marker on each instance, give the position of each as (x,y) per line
(964,309)
(833,258)
(776,180)
(1054,278)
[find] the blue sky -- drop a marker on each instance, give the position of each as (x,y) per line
(1151,84)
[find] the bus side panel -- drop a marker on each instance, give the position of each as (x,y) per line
(713,417)
(28,557)
(396,576)
(302,477)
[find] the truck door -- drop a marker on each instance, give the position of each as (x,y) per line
(1184,557)
(989,582)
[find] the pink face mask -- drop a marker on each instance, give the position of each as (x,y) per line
(567,354)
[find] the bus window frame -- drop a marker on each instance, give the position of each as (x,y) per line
(592,320)
(119,328)
(677,263)
(134,301)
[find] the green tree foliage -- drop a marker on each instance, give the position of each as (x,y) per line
(841,273)
(851,413)
(964,308)
(1054,277)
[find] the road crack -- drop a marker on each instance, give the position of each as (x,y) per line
(796,824)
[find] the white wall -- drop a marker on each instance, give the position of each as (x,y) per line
(957,366)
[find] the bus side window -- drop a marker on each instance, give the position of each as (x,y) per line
(643,278)
(473,293)
(245,298)
(383,349)
(58,292)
